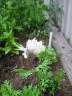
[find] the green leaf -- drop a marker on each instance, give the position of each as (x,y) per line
(7,49)
(23,73)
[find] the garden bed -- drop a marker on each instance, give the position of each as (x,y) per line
(9,63)
(29,68)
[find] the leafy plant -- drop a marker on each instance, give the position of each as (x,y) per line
(48,54)
(30,91)
(55,82)
(43,74)
(7,90)
(45,77)
(26,16)
(24,73)
(19,16)
(22,14)
(10,45)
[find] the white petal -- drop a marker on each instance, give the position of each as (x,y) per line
(25,56)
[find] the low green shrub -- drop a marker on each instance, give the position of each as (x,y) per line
(47,81)
(7,90)
(43,72)
(22,14)
(19,16)
(27,16)
(10,45)
(49,54)
(30,91)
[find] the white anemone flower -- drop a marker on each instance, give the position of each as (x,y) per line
(31,44)
(34,46)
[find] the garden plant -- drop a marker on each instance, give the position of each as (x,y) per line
(27,17)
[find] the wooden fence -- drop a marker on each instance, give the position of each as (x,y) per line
(66,26)
(67,19)
(63,48)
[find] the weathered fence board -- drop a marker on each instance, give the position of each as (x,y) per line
(67,19)
(66,25)
(65,52)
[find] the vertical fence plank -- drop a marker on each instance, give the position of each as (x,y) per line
(67,19)
(66,26)
(46,2)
